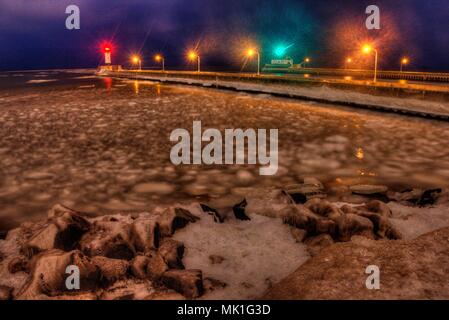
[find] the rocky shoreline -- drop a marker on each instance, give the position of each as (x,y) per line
(140,256)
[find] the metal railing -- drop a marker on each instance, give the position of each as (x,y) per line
(393,75)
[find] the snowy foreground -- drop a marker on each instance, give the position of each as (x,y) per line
(237,250)
(105,153)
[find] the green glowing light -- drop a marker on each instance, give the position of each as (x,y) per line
(281,50)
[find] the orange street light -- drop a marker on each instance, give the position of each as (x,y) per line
(160,58)
(251,53)
(192,56)
(136,60)
(304,62)
(367,49)
(347,61)
(404,61)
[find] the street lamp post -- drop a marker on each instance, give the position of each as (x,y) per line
(304,62)
(367,49)
(192,56)
(137,60)
(375,65)
(404,61)
(161,59)
(251,53)
(347,61)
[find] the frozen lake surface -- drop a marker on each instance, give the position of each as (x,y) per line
(102,145)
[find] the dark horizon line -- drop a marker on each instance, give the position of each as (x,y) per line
(204,68)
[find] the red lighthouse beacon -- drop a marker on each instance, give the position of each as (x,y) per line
(107,48)
(107,55)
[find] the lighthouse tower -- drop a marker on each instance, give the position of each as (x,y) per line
(107,55)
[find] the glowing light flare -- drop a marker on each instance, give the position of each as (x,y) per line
(367,48)
(237,47)
(106,47)
(349,60)
(349,35)
(158,58)
(192,55)
(281,50)
(251,52)
(405,61)
(135,59)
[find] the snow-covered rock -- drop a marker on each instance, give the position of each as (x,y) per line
(408,270)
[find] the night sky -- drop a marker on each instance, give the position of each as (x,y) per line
(33,33)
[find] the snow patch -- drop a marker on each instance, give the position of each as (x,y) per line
(256,254)
(413,222)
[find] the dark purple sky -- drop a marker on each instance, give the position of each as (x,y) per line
(33,33)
